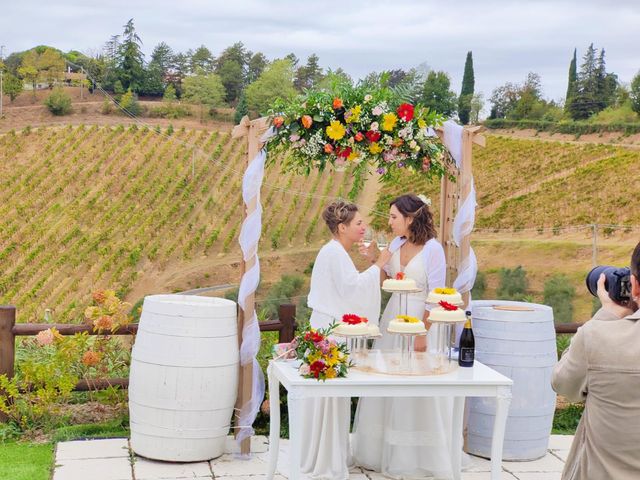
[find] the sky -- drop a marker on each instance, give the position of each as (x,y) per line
(508,38)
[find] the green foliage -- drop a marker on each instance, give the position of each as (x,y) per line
(634,93)
(562,343)
(118,89)
(479,287)
(58,102)
(466,92)
(437,93)
(241,109)
(513,284)
(204,90)
(559,295)
(571,84)
(623,114)
(281,292)
(12,86)
(107,107)
(172,110)
(308,76)
(21,461)
(565,420)
(129,103)
(130,59)
(169,94)
(275,82)
(573,128)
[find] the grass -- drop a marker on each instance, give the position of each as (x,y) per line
(24,461)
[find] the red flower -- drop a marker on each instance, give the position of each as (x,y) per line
(373,136)
(317,367)
(343,153)
(337,103)
(359,137)
(352,319)
(400,276)
(405,112)
(328,148)
(315,337)
(278,122)
(448,306)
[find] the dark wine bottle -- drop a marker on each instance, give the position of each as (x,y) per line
(467,346)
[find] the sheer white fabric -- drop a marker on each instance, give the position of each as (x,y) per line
(336,288)
(407,437)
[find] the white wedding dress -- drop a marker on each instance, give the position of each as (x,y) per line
(407,438)
(336,288)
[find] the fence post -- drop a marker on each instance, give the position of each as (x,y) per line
(287,314)
(7,343)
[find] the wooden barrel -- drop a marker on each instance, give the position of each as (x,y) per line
(184,377)
(518,340)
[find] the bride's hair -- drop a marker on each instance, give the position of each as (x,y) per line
(421,229)
(338,212)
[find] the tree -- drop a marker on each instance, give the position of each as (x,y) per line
(275,82)
(585,102)
(42,64)
(476,104)
(179,70)
(571,85)
(309,75)
(59,102)
(503,100)
(257,64)
(634,93)
(231,75)
(437,93)
(466,92)
(333,77)
(202,61)
(130,62)
(12,86)
(241,108)
(162,58)
(204,90)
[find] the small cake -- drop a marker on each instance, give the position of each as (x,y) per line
(374,330)
(447,312)
(449,295)
(400,283)
(406,324)
(352,325)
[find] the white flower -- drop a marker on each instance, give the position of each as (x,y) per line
(377,110)
(367,98)
(374,127)
(413,144)
(425,200)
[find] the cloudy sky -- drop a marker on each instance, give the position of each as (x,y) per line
(508,38)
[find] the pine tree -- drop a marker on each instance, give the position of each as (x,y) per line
(241,109)
(584,103)
(571,86)
(466,93)
(130,59)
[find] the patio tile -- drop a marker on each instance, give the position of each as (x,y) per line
(95,469)
(259,444)
(539,475)
(79,449)
(560,442)
(548,463)
(229,465)
(146,469)
(477,464)
(562,454)
(486,476)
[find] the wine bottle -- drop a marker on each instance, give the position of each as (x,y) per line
(467,344)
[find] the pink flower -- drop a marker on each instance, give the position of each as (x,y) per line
(374,127)
(45,337)
(294,138)
(304,369)
(377,110)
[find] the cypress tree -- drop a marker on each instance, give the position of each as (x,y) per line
(241,108)
(571,86)
(584,103)
(466,93)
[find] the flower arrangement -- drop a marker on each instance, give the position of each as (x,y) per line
(407,319)
(357,125)
(400,276)
(322,357)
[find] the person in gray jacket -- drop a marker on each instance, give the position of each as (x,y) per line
(601,367)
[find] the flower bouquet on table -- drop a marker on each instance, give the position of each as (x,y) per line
(322,357)
(357,125)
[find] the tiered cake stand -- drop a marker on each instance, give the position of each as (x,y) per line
(445,339)
(407,340)
(357,345)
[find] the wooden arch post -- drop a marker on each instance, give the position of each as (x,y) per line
(452,196)
(252,131)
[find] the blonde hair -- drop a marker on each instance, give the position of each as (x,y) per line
(338,212)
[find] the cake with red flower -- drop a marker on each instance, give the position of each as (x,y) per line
(400,283)
(448,313)
(352,325)
(449,295)
(406,324)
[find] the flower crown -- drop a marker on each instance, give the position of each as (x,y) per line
(426,200)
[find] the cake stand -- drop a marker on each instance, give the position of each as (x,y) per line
(445,339)
(356,344)
(407,340)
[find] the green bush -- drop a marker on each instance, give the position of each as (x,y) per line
(568,127)
(281,292)
(513,284)
(565,421)
(129,102)
(559,295)
(171,110)
(59,102)
(479,287)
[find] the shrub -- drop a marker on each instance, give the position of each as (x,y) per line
(513,284)
(172,110)
(129,103)
(281,292)
(59,102)
(559,294)
(107,107)
(479,287)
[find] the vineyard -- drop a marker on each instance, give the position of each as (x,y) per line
(96,207)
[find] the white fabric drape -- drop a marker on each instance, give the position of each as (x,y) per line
(453,140)
(248,240)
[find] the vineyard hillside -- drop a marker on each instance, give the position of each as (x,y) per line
(130,208)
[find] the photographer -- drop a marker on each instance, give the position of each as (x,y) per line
(602,368)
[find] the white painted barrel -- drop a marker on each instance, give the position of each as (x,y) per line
(518,340)
(184,377)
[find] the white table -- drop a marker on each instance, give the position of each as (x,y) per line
(478,381)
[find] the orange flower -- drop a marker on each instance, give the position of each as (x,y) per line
(337,103)
(328,148)
(278,121)
(307,121)
(90,358)
(99,296)
(359,137)
(45,337)
(103,323)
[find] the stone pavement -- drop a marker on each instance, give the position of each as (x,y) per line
(112,459)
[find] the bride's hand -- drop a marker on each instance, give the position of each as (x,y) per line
(370,251)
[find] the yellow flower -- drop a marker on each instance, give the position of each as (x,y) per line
(422,123)
(336,130)
(407,319)
(445,291)
(353,156)
(331,373)
(313,357)
(389,121)
(354,114)
(375,148)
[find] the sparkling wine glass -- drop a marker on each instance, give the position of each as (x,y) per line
(368,237)
(381,239)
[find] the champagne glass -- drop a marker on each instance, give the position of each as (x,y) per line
(368,237)
(381,239)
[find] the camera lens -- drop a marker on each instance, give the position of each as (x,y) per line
(594,275)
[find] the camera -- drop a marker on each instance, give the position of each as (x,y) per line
(617,282)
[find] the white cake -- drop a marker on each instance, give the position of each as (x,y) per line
(399,284)
(449,295)
(374,330)
(439,314)
(405,324)
(355,329)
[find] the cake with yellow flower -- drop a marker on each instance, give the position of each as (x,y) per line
(406,324)
(352,325)
(447,312)
(449,295)
(400,283)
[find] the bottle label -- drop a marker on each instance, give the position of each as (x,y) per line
(467,355)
